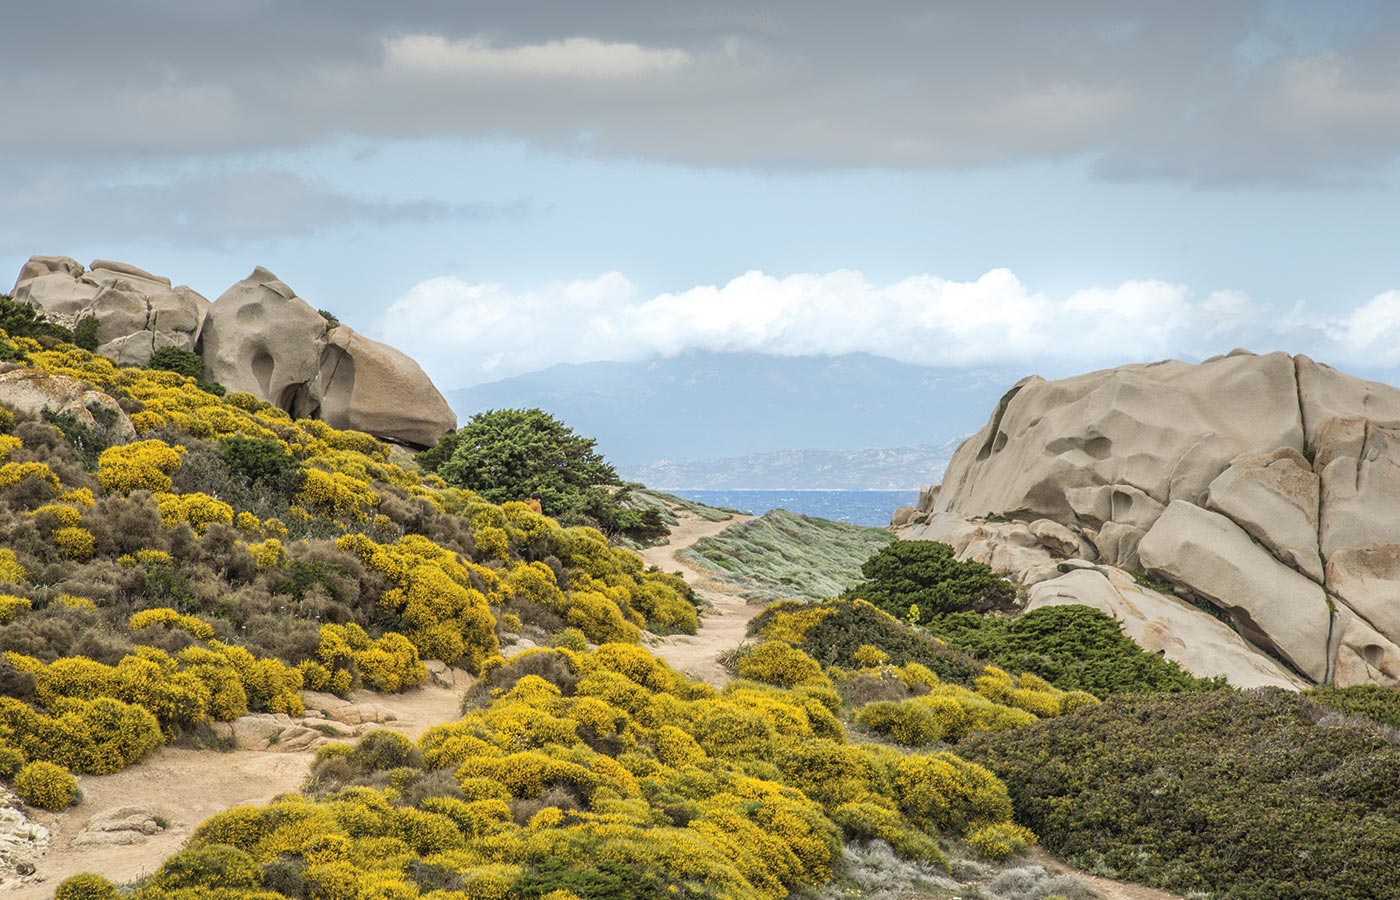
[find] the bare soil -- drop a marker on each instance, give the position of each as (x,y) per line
(184,787)
(722,626)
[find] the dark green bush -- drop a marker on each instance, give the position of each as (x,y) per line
(918,579)
(23,320)
(173,359)
(85,334)
(602,880)
(1075,648)
(1236,794)
(260,459)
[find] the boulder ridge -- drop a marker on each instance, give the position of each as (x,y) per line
(258,337)
(1264,487)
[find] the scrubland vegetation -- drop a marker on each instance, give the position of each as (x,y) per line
(909,739)
(782,555)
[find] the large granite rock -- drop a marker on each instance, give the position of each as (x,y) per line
(1198,642)
(1267,485)
(263,339)
(369,386)
(136,311)
(1271,604)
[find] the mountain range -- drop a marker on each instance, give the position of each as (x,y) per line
(738,413)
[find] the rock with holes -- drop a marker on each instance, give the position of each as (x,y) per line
(369,386)
(135,310)
(1118,445)
(262,339)
(1268,484)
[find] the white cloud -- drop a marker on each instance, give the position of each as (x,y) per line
(467,333)
(575,57)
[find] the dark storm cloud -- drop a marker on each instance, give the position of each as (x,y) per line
(214,211)
(1202,92)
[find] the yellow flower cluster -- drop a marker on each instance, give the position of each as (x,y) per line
(11,572)
(197,509)
(46,786)
(12,473)
(335,496)
(9,444)
(436,595)
(618,759)
(142,465)
(348,655)
(11,606)
(166,617)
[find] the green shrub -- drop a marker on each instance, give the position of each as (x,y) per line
(260,459)
(1234,794)
(1378,703)
(173,359)
(208,866)
(46,786)
(1001,841)
(86,886)
(1073,647)
(926,575)
(85,333)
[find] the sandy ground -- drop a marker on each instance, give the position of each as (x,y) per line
(188,786)
(1105,887)
(722,627)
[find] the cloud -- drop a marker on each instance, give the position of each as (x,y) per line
(467,333)
(208,211)
(1198,91)
(575,57)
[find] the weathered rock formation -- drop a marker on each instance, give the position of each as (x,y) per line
(136,312)
(1268,486)
(258,337)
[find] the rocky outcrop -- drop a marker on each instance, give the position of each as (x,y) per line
(258,337)
(263,339)
(32,392)
(1265,485)
(369,386)
(136,312)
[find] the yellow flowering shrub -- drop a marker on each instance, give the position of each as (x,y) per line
(247,523)
(778,663)
(12,473)
(197,509)
(268,554)
(75,542)
(164,616)
(46,786)
(1001,840)
(389,663)
(9,444)
(11,606)
(11,572)
(64,515)
(144,465)
(336,496)
(79,497)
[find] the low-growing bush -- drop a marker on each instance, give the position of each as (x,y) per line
(46,786)
(1204,792)
(916,579)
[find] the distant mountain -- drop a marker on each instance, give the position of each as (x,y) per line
(896,469)
(708,406)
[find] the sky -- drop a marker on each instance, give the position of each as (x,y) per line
(499,186)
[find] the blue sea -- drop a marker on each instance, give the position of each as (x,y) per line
(872,508)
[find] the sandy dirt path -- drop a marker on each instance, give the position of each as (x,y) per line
(185,787)
(1106,888)
(722,626)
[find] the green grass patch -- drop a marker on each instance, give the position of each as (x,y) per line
(782,555)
